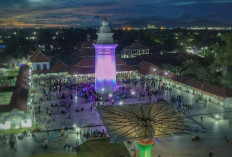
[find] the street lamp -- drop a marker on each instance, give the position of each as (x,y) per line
(133,94)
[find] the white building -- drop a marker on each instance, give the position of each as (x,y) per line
(40,61)
(133,50)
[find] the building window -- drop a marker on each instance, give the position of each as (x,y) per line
(45,67)
(38,67)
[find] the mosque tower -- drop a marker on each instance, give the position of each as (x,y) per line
(105,66)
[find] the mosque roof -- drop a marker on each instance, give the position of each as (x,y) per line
(87,66)
(59,67)
(135,45)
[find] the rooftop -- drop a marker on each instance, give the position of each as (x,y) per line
(148,68)
(39,57)
(135,45)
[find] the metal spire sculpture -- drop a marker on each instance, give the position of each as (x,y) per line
(143,122)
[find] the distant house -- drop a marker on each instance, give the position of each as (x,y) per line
(9,61)
(87,50)
(133,50)
(40,61)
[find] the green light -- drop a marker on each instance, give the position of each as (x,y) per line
(145,150)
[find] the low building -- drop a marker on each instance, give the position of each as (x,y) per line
(202,90)
(13,108)
(40,61)
(133,50)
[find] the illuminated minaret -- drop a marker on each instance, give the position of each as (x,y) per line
(105,67)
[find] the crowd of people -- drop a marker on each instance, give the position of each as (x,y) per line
(57,95)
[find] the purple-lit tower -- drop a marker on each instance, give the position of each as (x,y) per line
(105,66)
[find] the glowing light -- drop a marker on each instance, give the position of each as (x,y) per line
(145,150)
(105,68)
(78,129)
(110,95)
(154,69)
(217,116)
(21,64)
(26,124)
(133,92)
(120,102)
(2,46)
(74,125)
(5,126)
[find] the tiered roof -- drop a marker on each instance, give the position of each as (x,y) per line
(87,66)
(136,45)
(59,67)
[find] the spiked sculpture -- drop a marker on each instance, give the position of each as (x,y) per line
(143,122)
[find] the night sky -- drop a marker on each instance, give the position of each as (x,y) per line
(85,13)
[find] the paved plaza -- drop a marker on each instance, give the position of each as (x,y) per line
(63,111)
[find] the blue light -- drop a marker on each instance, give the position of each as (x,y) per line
(21,64)
(3,46)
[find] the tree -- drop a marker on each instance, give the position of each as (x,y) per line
(196,70)
(223,54)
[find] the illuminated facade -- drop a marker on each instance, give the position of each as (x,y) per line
(105,66)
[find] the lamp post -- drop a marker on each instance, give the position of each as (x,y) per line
(133,95)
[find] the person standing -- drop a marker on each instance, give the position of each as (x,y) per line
(210,154)
(46,142)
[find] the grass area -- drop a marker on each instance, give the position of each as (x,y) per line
(19,130)
(14,131)
(99,148)
(5,98)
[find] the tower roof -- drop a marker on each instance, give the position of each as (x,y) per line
(105,36)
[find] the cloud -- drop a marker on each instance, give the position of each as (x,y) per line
(87,12)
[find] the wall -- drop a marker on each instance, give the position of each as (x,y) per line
(34,65)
